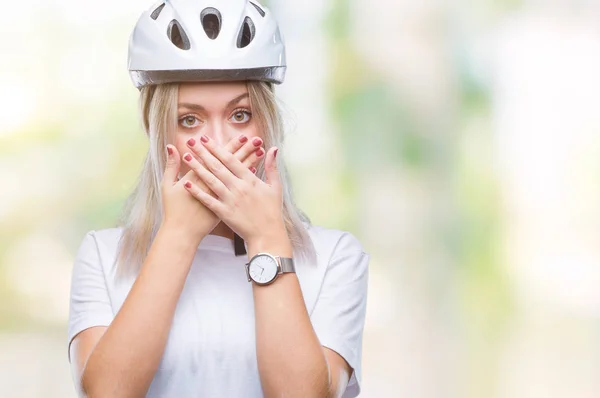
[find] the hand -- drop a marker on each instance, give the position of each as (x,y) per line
(181,210)
(250,207)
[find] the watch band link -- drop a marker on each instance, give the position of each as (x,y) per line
(287,264)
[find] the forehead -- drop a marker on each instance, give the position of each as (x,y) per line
(216,93)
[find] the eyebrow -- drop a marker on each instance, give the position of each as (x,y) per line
(197,107)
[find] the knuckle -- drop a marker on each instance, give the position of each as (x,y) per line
(219,169)
(211,181)
(197,180)
(194,150)
(197,170)
(212,165)
(250,159)
(228,213)
(242,189)
(228,157)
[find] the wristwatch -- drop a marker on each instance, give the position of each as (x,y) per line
(264,268)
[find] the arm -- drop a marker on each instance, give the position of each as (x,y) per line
(291,361)
(120,361)
(247,204)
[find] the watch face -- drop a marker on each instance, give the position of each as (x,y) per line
(263,269)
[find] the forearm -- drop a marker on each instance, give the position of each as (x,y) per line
(125,359)
(291,361)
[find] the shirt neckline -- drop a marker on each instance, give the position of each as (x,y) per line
(219,243)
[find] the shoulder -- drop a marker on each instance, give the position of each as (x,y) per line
(330,243)
(101,245)
(107,237)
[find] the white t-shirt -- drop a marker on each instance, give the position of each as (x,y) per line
(211,349)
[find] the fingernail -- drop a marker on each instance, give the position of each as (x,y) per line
(257,142)
(243,138)
(253,170)
(204,139)
(191,142)
(188,157)
(187,184)
(169,150)
(260,152)
(275,152)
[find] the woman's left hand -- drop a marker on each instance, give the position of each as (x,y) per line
(250,207)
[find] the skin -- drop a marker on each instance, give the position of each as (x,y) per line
(215,191)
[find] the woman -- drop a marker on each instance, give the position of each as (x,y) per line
(215,284)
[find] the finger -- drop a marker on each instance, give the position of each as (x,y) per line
(249,152)
(211,203)
(234,167)
(173,164)
(249,148)
(235,144)
(254,157)
(193,177)
(271,170)
(210,180)
(213,163)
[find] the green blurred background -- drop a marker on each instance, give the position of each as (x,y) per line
(458,140)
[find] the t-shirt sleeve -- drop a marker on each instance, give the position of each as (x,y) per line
(338,317)
(89,301)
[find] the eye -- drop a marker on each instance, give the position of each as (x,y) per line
(241,116)
(189,121)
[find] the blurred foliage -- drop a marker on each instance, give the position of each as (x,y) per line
(78,159)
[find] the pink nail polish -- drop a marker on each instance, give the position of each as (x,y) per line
(275,153)
(253,170)
(188,157)
(188,184)
(169,150)
(257,142)
(243,139)
(260,152)
(204,139)
(191,142)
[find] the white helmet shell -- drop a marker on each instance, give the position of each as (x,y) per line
(206,40)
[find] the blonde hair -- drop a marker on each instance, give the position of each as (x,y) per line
(142,214)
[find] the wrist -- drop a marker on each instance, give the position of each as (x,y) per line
(183,235)
(273,241)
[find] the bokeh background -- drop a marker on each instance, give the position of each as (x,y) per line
(459,140)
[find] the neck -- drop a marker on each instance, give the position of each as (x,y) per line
(222,230)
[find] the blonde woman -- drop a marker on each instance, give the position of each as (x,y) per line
(215,284)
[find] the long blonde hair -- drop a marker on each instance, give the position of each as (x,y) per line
(142,213)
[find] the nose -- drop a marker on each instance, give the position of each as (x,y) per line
(216,131)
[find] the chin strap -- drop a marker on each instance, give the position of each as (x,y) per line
(238,245)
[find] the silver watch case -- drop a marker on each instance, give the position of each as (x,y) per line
(284,265)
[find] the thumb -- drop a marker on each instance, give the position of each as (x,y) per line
(271,170)
(173,162)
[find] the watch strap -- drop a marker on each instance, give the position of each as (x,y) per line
(238,245)
(287,264)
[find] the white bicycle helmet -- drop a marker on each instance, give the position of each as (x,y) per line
(206,40)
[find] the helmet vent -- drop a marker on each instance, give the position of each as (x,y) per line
(177,35)
(157,11)
(260,10)
(246,33)
(211,22)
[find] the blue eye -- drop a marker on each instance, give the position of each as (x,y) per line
(189,121)
(241,116)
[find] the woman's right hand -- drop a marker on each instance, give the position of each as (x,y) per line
(180,209)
